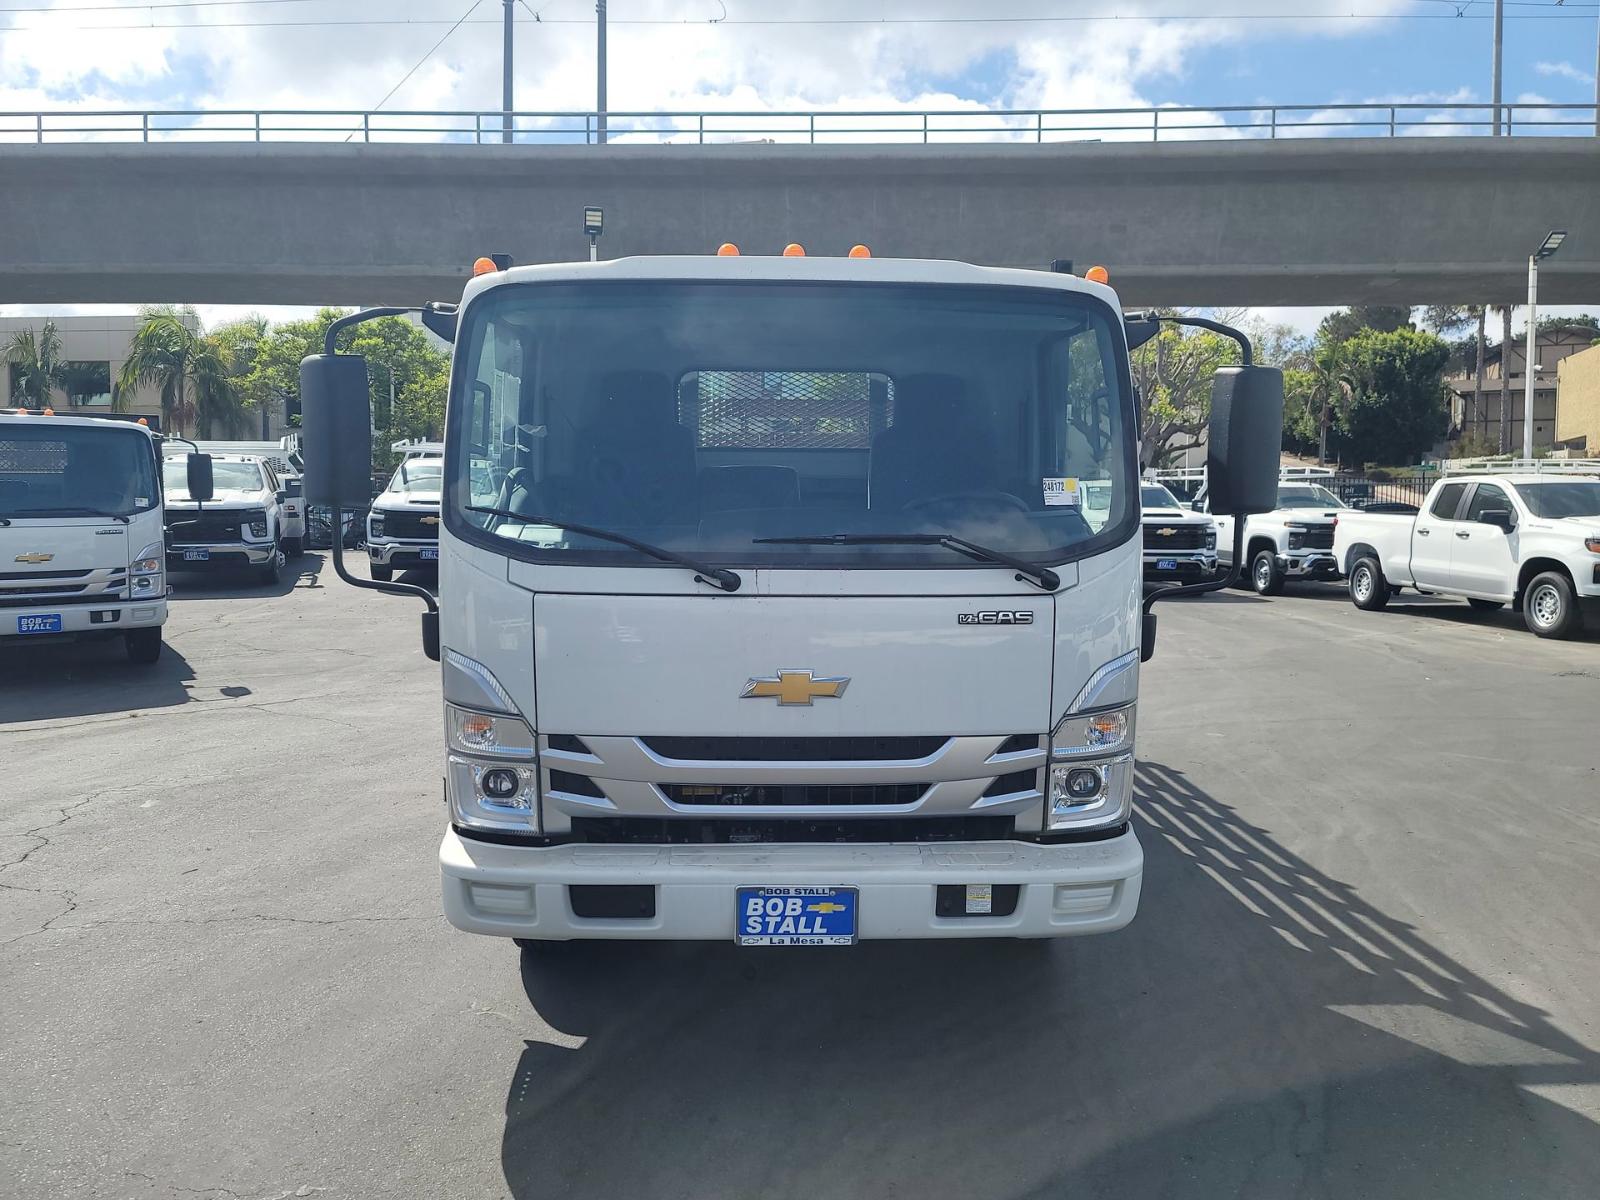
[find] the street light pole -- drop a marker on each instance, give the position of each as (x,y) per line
(505,77)
(600,71)
(1548,247)
(1499,42)
(1530,366)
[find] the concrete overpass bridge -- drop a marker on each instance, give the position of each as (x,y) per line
(1234,219)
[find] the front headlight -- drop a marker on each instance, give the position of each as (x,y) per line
(1094,735)
(1089,795)
(1091,770)
(375,525)
(491,771)
(144,573)
(1211,539)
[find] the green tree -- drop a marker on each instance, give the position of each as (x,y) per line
(1331,392)
(190,370)
(1396,409)
(1343,325)
(36,366)
(240,344)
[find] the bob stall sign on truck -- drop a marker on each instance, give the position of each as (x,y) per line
(770,606)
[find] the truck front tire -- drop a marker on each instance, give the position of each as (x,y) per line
(1369,590)
(294,547)
(1265,574)
(381,572)
(1550,607)
(143,645)
(272,571)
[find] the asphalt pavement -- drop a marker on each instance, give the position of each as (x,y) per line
(1364,963)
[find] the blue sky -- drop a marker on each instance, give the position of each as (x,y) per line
(926,54)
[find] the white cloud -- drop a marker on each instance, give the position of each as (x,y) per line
(1564,70)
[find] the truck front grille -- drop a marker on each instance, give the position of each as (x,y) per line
(882,795)
(421,525)
(1317,537)
(725,831)
(793,749)
(1177,537)
(208,528)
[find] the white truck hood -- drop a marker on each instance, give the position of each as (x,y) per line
(625,665)
(73,544)
(1174,516)
(390,501)
(224,498)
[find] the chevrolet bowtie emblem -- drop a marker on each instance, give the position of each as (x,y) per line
(1166,532)
(793,687)
(34,558)
(430,520)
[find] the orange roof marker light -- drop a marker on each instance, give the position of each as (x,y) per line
(49,412)
(794,250)
(145,422)
(860,251)
(727,250)
(483,266)
(1097,275)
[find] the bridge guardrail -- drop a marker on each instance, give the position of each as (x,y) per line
(819,127)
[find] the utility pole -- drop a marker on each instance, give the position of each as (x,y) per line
(1597,78)
(505,77)
(1499,40)
(600,71)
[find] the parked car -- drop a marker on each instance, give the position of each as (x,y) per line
(1532,541)
(241,526)
(1292,542)
(1179,545)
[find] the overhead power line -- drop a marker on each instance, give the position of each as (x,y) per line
(460,21)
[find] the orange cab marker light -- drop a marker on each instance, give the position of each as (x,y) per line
(483,266)
(1097,275)
(144,422)
(49,412)
(860,251)
(794,250)
(727,250)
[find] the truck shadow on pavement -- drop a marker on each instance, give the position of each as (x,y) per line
(89,678)
(1259,1031)
(239,583)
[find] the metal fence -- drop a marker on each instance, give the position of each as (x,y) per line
(886,126)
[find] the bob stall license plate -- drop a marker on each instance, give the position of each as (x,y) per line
(44,623)
(796,916)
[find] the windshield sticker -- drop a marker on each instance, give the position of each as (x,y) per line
(1061,491)
(141,501)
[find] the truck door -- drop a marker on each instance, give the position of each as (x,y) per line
(1484,561)
(1433,538)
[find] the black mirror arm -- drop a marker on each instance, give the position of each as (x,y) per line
(1228,331)
(430,619)
(335,328)
(1215,584)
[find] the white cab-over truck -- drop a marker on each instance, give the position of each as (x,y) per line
(1291,543)
(1531,540)
(81,549)
(768,609)
(403,525)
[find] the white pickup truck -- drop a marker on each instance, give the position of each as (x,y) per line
(241,525)
(1531,540)
(1292,542)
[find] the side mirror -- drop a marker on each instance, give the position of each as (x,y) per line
(336,417)
(202,486)
(1500,518)
(1245,440)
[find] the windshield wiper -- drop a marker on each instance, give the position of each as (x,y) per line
(728,581)
(1043,576)
(74,511)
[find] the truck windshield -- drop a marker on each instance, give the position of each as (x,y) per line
(225,477)
(58,470)
(1568,498)
(701,417)
(418,475)
(1308,496)
(1155,496)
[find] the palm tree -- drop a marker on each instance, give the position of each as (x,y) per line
(1331,388)
(36,365)
(191,371)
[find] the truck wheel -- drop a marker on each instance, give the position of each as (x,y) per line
(144,645)
(1485,606)
(1265,576)
(1369,590)
(270,573)
(381,573)
(294,547)
(1550,608)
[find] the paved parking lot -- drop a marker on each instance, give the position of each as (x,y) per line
(1364,965)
